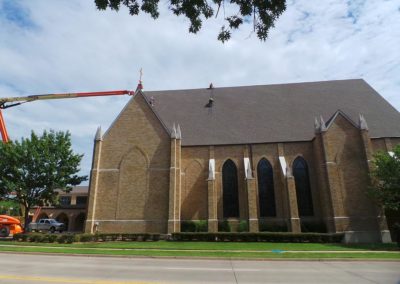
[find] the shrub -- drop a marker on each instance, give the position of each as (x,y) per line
(265,227)
(36,238)
(129,237)
(108,237)
(224,226)
(243,226)
(156,237)
(194,226)
(201,226)
(49,238)
(188,226)
(52,238)
(118,237)
(21,237)
(86,238)
(69,239)
(313,227)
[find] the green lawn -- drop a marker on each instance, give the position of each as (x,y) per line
(248,246)
(211,249)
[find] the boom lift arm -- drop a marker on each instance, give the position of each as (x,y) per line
(15,101)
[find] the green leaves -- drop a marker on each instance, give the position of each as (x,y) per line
(263,12)
(150,7)
(34,167)
(386,179)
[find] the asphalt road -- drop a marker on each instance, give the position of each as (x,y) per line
(19,268)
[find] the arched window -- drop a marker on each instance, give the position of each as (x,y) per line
(80,222)
(63,218)
(266,194)
(230,190)
(303,190)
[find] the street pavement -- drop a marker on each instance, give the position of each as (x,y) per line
(29,268)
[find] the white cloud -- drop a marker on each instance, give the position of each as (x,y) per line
(69,46)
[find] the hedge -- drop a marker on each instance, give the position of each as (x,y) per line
(194,226)
(261,237)
(71,238)
(185,236)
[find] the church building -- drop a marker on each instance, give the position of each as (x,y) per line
(287,157)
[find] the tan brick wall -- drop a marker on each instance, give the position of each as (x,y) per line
(194,183)
(378,144)
(133,185)
(323,184)
(107,195)
(346,149)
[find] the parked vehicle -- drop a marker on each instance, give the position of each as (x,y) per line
(9,225)
(50,225)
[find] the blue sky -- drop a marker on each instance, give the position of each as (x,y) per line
(14,12)
(69,46)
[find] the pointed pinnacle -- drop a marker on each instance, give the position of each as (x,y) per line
(173,132)
(99,134)
(316,125)
(322,126)
(178,132)
(363,123)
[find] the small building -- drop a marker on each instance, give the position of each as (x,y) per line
(295,157)
(70,210)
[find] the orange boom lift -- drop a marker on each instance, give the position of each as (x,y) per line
(9,225)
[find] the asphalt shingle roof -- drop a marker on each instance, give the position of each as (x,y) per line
(271,113)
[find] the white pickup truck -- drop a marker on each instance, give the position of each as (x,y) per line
(47,225)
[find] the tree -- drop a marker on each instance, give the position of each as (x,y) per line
(385,187)
(263,13)
(9,207)
(32,169)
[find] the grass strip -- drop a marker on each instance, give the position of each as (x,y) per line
(248,246)
(216,254)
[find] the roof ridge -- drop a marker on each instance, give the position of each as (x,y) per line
(258,85)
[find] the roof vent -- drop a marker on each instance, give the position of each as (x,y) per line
(152,101)
(210,103)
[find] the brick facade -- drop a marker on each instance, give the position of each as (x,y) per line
(129,185)
(144,180)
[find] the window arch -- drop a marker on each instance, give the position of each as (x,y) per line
(303,189)
(230,189)
(266,194)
